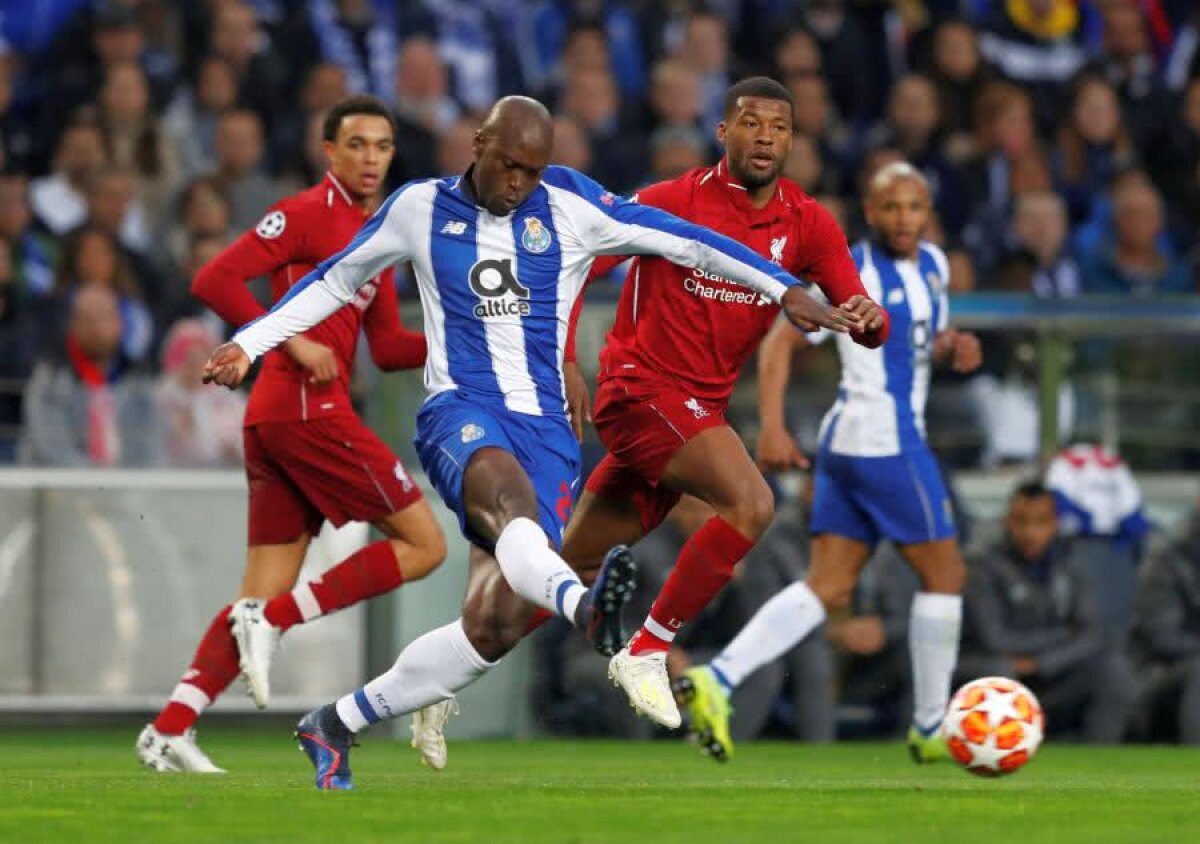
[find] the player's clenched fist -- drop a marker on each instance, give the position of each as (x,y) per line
(227,366)
(808,314)
(778,452)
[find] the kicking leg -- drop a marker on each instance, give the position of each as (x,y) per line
(933,633)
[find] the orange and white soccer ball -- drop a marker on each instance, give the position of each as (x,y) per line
(993,726)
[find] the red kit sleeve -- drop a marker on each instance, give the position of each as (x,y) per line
(392,345)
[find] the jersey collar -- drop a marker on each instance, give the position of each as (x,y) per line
(739,197)
(335,191)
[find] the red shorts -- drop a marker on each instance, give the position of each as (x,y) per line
(302,473)
(643,422)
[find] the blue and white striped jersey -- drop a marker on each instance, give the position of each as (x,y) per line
(880,410)
(497,291)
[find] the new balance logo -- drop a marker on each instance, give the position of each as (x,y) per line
(454,227)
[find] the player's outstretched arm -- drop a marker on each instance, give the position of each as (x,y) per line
(777,451)
(381,242)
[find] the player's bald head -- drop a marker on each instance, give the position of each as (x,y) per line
(520,121)
(511,150)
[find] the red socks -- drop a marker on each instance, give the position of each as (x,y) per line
(213,668)
(704,566)
(364,574)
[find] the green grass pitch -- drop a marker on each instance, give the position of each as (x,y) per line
(76,785)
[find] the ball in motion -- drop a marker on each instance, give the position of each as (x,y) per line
(994,726)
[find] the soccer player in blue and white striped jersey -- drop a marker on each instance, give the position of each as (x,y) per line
(500,255)
(875,477)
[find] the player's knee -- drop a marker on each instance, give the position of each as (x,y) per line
(947,575)
(751,513)
(834,595)
(420,559)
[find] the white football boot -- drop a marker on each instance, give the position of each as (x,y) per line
(256,641)
(644,679)
(427,732)
(173,754)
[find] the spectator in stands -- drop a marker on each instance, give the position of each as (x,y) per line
(1039,44)
(424,108)
(33,251)
(202,211)
(610,24)
(16,354)
(202,427)
(479,48)
(239,147)
(960,77)
(674,98)
(591,97)
(85,405)
(571,145)
(1039,234)
(807,168)
(705,48)
(1136,260)
(854,83)
(1166,636)
(237,39)
(796,53)
(324,86)
(674,150)
(113,205)
(1030,613)
(58,200)
(92,258)
(455,146)
(1128,63)
(913,126)
(1093,145)
(135,138)
(813,117)
(191,118)
(1175,160)
(359,37)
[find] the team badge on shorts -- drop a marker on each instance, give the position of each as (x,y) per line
(536,237)
(698,410)
(402,476)
(271,226)
(471,432)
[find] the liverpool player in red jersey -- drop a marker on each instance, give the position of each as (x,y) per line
(309,458)
(678,344)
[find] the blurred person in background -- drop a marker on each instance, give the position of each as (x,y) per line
(1166,636)
(796,53)
(1136,260)
(1175,162)
(192,116)
(1127,61)
(673,151)
(33,250)
(424,108)
(202,210)
(237,38)
(1031,614)
(618,151)
(59,199)
(478,45)
(705,48)
(1039,232)
(846,60)
(360,38)
(808,169)
(616,27)
(1092,146)
(135,138)
(814,117)
(959,75)
(571,146)
(674,97)
(202,427)
(85,404)
(240,172)
(455,146)
(324,85)
(17,348)
(92,257)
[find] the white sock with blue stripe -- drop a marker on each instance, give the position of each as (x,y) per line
(535,571)
(432,668)
(779,625)
(933,631)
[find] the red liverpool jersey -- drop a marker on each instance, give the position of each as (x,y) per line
(295,235)
(698,329)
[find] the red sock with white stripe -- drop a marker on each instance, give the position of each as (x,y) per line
(213,668)
(368,572)
(704,566)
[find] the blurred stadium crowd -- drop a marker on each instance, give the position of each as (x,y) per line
(1061,139)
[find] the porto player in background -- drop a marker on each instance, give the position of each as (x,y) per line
(309,458)
(679,342)
(875,476)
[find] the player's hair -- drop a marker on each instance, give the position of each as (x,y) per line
(763,87)
(1029,490)
(894,172)
(358,104)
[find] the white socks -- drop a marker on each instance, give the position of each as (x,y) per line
(779,625)
(432,668)
(933,630)
(535,571)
